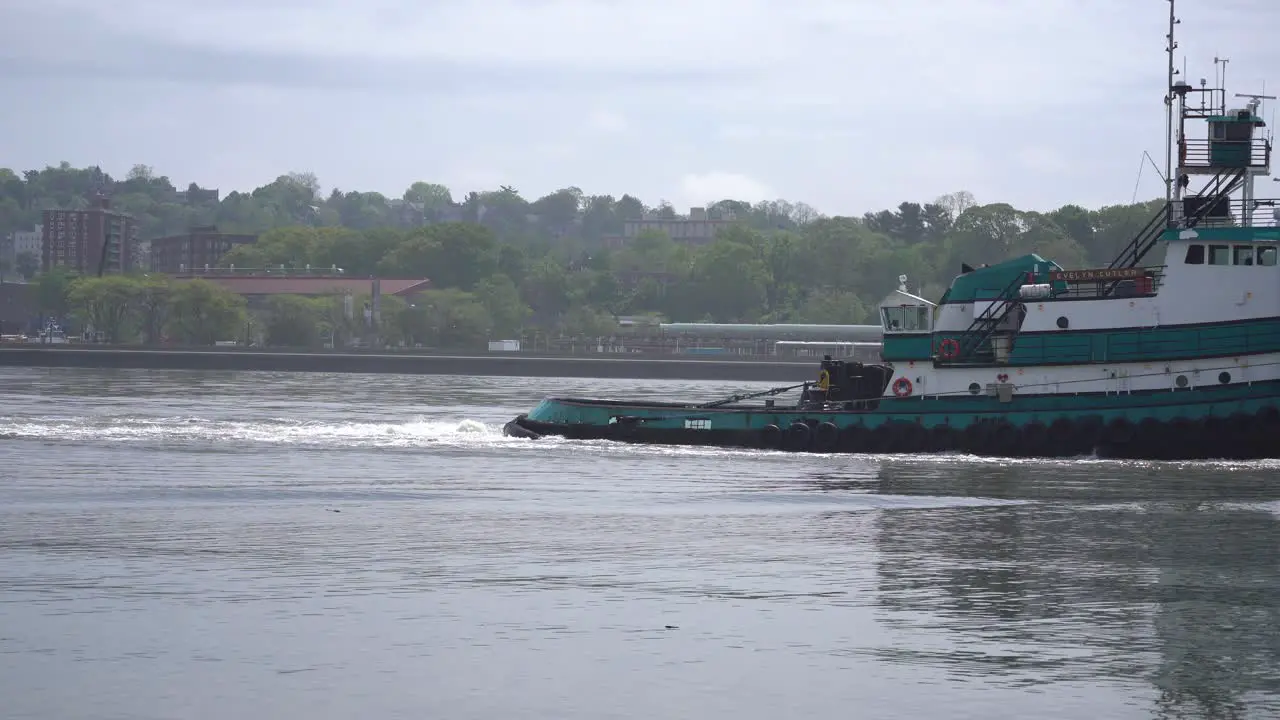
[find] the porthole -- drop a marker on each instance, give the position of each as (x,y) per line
(974,388)
(1182,381)
(1063,322)
(1224,377)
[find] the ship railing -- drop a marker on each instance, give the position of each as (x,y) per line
(1197,154)
(277,271)
(1229,212)
(1145,239)
(973,341)
(1094,284)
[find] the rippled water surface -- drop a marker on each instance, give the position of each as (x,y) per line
(241,545)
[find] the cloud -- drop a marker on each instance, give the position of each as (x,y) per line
(607,122)
(700,189)
(1042,159)
(849,105)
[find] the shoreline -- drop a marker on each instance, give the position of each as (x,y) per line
(618,367)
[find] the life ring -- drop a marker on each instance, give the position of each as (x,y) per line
(902,387)
(949,348)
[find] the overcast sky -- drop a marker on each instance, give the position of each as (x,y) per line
(849,105)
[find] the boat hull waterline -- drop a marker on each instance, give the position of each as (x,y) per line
(1239,422)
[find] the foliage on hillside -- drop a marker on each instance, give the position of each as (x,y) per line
(500,262)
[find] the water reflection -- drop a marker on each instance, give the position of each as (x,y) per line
(1169,576)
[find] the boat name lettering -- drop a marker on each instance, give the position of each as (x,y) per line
(1094,275)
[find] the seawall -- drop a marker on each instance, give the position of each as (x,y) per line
(494,364)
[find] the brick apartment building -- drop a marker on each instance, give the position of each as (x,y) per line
(203,246)
(75,239)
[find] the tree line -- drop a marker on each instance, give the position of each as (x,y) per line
(158,310)
(500,263)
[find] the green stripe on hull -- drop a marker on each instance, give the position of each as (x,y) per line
(957,412)
(1172,342)
(899,348)
(1227,234)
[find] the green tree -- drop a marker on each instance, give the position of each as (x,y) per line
(446,319)
(501,300)
(203,312)
(155,295)
(545,288)
(293,321)
(832,307)
(452,255)
(728,282)
(106,305)
(433,197)
(588,322)
(564,253)
(27,265)
(52,290)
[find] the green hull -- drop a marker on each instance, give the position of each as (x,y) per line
(1230,421)
(955,412)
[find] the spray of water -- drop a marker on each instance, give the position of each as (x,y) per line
(419,431)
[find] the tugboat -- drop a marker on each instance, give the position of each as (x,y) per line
(1173,359)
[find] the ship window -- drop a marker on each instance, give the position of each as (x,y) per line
(1195,255)
(1219,254)
(1238,131)
(1244,255)
(906,318)
(1267,255)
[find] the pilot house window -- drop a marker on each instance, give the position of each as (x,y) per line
(1233,255)
(906,318)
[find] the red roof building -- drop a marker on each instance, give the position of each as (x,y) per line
(259,286)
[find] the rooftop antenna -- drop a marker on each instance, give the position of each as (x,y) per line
(1221,73)
(1255,101)
(1168,108)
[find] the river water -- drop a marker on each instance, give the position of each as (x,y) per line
(254,545)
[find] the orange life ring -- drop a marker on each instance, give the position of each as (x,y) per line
(902,387)
(949,348)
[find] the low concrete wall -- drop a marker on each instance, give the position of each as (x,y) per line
(496,364)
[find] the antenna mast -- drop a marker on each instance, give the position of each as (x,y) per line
(1168,114)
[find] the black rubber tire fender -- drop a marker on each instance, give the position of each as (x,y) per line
(798,437)
(771,437)
(826,437)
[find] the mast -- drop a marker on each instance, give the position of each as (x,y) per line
(1168,111)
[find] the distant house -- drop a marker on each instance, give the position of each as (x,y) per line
(699,228)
